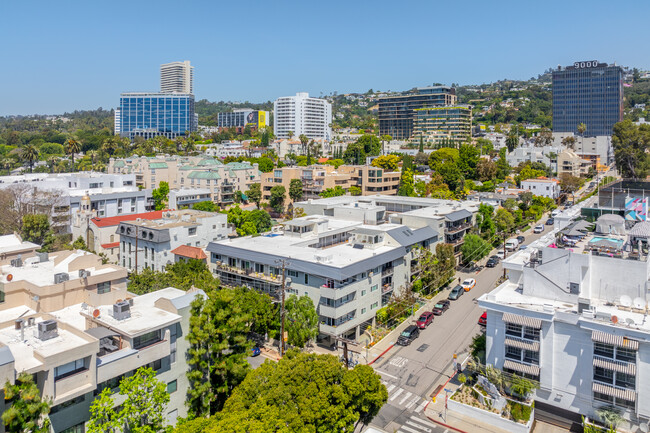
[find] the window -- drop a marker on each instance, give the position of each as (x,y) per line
(531,333)
(513,329)
(373,306)
(191,231)
(78,428)
(147,339)
(624,380)
(531,357)
(605,350)
(513,353)
(172,386)
(65,370)
(293,274)
(373,288)
(66,404)
(306,278)
(603,397)
(624,354)
(363,311)
(173,333)
(363,293)
(104,287)
(603,375)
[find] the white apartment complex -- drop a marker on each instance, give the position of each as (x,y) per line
(573,315)
(177,77)
(542,186)
(302,115)
(148,243)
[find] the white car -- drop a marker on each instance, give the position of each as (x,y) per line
(468,284)
(556,212)
(538,229)
(501,254)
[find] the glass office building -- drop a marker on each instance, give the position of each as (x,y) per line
(397,113)
(450,124)
(151,114)
(590,93)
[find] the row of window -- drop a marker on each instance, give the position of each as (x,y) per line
(615,401)
(614,352)
(522,355)
(520,331)
(621,380)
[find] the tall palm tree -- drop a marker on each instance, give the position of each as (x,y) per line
(72,146)
(29,154)
(303,140)
(7,163)
(581,130)
(290,134)
(51,162)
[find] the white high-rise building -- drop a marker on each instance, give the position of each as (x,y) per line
(302,115)
(177,77)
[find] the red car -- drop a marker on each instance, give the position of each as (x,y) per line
(483,319)
(425,320)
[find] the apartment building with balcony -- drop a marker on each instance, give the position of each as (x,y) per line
(149,243)
(68,320)
(570,162)
(451,123)
(194,172)
(348,268)
(317,178)
(573,315)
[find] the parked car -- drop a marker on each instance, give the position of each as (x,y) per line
(492,262)
(500,253)
(256,351)
(538,229)
(468,284)
(556,212)
(425,320)
(441,307)
(483,319)
(521,239)
(408,335)
(512,244)
(456,293)
(550,222)
(522,247)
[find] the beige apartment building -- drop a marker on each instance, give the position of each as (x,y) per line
(569,162)
(68,320)
(317,178)
(190,172)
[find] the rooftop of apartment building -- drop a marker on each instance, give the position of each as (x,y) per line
(542,180)
(116,220)
(173,218)
(408,203)
(14,244)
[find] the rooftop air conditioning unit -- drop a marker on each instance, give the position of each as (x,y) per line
(121,310)
(83,273)
(47,330)
(61,277)
(42,257)
(17,263)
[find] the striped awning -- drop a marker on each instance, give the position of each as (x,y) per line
(616,340)
(625,394)
(533,370)
(523,344)
(522,320)
(610,364)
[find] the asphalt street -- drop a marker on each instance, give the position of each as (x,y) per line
(411,373)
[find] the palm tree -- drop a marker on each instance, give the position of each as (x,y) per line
(51,162)
(29,154)
(581,130)
(7,163)
(290,134)
(189,146)
(303,140)
(72,146)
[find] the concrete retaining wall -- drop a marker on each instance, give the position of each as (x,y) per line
(490,418)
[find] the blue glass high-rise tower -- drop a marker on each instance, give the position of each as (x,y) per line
(150,114)
(590,93)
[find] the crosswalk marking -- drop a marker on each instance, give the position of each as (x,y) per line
(390,388)
(413,402)
(421,406)
(409,429)
(406,397)
(399,391)
(426,429)
(421,421)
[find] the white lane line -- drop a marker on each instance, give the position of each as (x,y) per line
(413,402)
(446,430)
(390,388)
(421,421)
(399,391)
(421,406)
(426,429)
(386,374)
(409,429)
(406,397)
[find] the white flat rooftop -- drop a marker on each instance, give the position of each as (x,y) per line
(9,243)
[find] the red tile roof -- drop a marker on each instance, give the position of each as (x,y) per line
(190,252)
(111,245)
(113,221)
(322,160)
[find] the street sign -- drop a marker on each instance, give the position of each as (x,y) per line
(448,390)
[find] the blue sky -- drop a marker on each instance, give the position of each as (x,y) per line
(60,56)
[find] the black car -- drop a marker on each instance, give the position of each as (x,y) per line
(550,222)
(492,262)
(521,239)
(441,307)
(409,334)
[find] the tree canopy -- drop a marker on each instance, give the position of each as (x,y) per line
(301,320)
(161,196)
(25,409)
(631,144)
(387,162)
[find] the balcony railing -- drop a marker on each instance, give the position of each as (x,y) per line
(387,288)
(250,273)
(458,228)
(388,271)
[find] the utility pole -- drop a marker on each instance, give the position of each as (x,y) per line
(504,253)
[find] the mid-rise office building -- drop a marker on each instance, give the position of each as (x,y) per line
(148,114)
(397,113)
(240,118)
(573,315)
(452,123)
(590,93)
(302,115)
(148,243)
(177,77)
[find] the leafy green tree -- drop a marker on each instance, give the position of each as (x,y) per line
(544,137)
(301,320)
(161,196)
(436,269)
(527,172)
(512,141)
(332,192)
(183,275)
(146,399)
(406,184)
(355,190)
(36,228)
(30,155)
(79,244)
(387,162)
(217,352)
(354,153)
(324,396)
(384,139)
(485,170)
(370,143)
(103,418)
(206,206)
(72,147)
(265,165)
(631,144)
(25,410)
(570,184)
(255,194)
(295,189)
(503,168)
(468,158)
(263,314)
(278,193)
(474,248)
(504,221)
(610,416)
(478,347)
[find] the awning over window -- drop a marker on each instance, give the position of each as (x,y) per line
(533,370)
(522,320)
(522,344)
(616,340)
(625,394)
(610,364)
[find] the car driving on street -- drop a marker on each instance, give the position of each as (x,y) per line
(424,320)
(538,229)
(468,284)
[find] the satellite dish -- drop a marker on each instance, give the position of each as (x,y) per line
(10,277)
(626,301)
(629,321)
(614,319)
(639,303)
(96,313)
